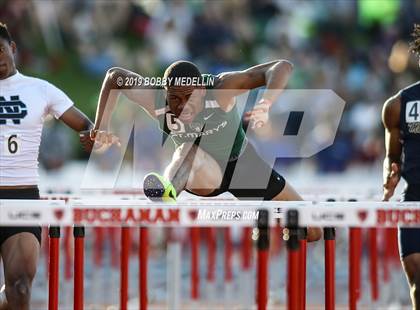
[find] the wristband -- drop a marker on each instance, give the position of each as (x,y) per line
(92,133)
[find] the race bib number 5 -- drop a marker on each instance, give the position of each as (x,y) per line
(11,145)
(174,124)
(412,112)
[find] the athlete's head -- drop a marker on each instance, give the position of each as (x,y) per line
(415,44)
(7,51)
(184,98)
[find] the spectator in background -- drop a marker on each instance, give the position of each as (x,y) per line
(231,35)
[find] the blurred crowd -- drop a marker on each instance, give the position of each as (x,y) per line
(359,49)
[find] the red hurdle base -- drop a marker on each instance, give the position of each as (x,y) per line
(53,266)
(195,271)
(125,251)
(293,279)
(143,256)
(79,243)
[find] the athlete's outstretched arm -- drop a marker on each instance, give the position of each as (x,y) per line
(118,80)
(78,121)
(393,147)
(273,75)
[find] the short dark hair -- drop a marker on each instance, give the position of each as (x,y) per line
(4,33)
(415,44)
(181,68)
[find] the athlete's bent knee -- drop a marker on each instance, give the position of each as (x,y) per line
(20,290)
(23,288)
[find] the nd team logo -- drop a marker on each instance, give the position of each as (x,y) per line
(14,110)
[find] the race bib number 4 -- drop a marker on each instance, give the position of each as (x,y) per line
(412,112)
(11,145)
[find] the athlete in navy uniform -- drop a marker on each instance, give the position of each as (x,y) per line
(24,104)
(401,119)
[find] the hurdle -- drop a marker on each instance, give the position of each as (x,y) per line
(291,235)
(143,257)
(79,236)
(297,215)
(355,241)
(173,275)
(124,260)
(195,257)
(262,242)
(211,242)
(228,252)
(329,265)
(54,234)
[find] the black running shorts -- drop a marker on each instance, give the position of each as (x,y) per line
(8,231)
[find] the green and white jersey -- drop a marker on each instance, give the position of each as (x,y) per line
(222,135)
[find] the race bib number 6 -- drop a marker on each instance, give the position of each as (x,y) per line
(11,145)
(412,112)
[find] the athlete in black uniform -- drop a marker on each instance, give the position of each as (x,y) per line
(401,119)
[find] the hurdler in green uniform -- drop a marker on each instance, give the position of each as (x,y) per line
(222,135)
